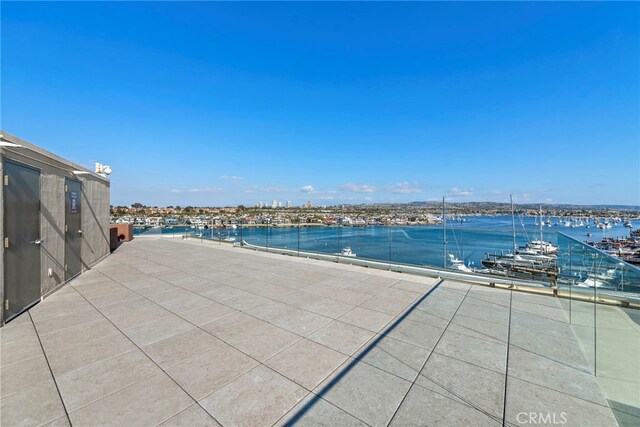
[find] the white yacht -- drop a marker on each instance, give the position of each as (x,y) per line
(457,264)
(540,247)
(346,252)
(597,280)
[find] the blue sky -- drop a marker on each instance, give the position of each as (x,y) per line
(227,103)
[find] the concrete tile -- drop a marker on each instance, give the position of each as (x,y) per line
(152,287)
(177,348)
(485,311)
(315,411)
(427,408)
(36,405)
(117,295)
(300,322)
(87,352)
(338,294)
(396,357)
(480,352)
(418,334)
(274,291)
(271,311)
(13,332)
(555,375)
(48,309)
(184,280)
(424,317)
(472,384)
(233,325)
(540,324)
(479,328)
(366,319)
(440,305)
(306,363)
(245,301)
(525,397)
(259,397)
(222,292)
(202,374)
(367,393)
(157,330)
(324,306)
(191,302)
(60,422)
(372,285)
(194,416)
(248,284)
(552,347)
(57,323)
(263,342)
(385,305)
(400,295)
(148,402)
(23,374)
(132,313)
(19,350)
(208,313)
(411,286)
(96,381)
(341,337)
(78,334)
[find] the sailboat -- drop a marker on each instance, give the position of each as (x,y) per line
(533,264)
(538,247)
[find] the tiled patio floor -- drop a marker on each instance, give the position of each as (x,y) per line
(183,333)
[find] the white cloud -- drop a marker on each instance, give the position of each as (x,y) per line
(404,188)
(308,189)
(455,191)
(232,178)
(358,188)
(198,190)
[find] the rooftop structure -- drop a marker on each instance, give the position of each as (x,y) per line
(175,332)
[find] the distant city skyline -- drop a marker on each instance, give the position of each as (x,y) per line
(214,104)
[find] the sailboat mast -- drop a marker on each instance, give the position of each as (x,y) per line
(541,227)
(444,238)
(513,225)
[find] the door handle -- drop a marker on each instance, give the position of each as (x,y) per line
(36,242)
(80,231)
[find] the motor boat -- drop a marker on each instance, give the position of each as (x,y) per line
(597,280)
(346,252)
(457,264)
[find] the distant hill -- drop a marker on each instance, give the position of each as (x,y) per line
(545,206)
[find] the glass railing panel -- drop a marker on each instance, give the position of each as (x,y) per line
(283,237)
(364,243)
(617,358)
(319,238)
(253,235)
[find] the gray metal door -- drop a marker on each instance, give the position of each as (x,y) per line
(73,228)
(21,238)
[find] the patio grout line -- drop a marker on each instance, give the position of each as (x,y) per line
(53,377)
(506,378)
(152,361)
(302,290)
(565,393)
(369,343)
(199,354)
(249,314)
(428,357)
